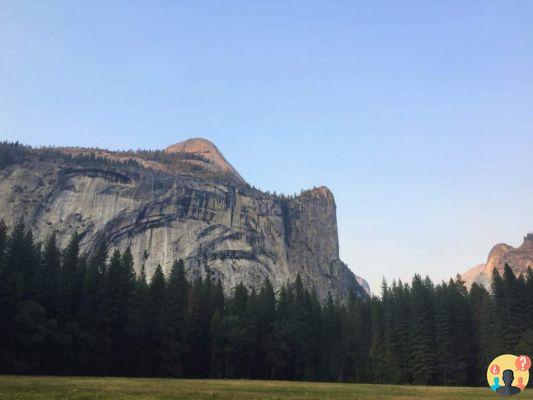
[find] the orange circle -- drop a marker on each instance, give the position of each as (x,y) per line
(523,363)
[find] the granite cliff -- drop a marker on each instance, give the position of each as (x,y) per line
(185,202)
(519,259)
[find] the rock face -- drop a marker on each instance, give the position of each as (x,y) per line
(364,284)
(198,209)
(519,259)
(206,150)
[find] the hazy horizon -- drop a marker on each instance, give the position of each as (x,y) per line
(417,115)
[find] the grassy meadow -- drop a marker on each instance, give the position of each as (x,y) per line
(74,388)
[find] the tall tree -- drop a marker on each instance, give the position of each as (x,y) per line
(72,288)
(157,294)
(198,320)
(174,332)
(96,340)
(423,358)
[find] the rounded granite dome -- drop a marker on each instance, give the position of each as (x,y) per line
(207,150)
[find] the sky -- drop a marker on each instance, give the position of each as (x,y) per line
(416,114)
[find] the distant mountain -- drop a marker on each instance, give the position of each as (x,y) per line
(185,202)
(519,259)
(364,284)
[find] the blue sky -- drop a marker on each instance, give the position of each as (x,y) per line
(416,114)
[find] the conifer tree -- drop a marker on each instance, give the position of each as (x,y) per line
(265,317)
(198,321)
(174,333)
(65,313)
(423,359)
(139,326)
(157,295)
(217,340)
(70,274)
(97,343)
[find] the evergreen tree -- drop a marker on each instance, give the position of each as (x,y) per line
(139,326)
(423,359)
(5,306)
(174,333)
(72,287)
(528,301)
(217,365)
(198,321)
(117,296)
(480,303)
(50,278)
(332,348)
(377,361)
(23,320)
(236,334)
(96,342)
(512,317)
(157,295)
(65,313)
(265,318)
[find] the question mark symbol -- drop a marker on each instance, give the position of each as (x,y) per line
(495,369)
(523,363)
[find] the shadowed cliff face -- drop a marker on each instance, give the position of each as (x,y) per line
(236,232)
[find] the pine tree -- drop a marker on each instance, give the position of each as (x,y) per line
(453,334)
(526,310)
(198,321)
(23,319)
(97,343)
(282,353)
(496,341)
(528,303)
(332,349)
(357,339)
(72,288)
(266,317)
(464,351)
(139,326)
(217,340)
(512,292)
(397,314)
(423,358)
(72,314)
(157,294)
(376,357)
(236,334)
(174,333)
(480,302)
(114,312)
(6,311)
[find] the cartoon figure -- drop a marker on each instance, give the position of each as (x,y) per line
(508,390)
(496,384)
(521,383)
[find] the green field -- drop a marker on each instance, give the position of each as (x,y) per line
(26,387)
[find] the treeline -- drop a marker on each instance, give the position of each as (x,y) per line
(62,312)
(14,152)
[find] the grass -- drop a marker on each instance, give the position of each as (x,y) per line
(75,388)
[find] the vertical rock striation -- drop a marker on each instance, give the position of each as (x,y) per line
(217,225)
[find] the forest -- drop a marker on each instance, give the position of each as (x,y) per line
(65,313)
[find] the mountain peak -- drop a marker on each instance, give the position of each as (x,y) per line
(207,150)
(528,239)
(193,145)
